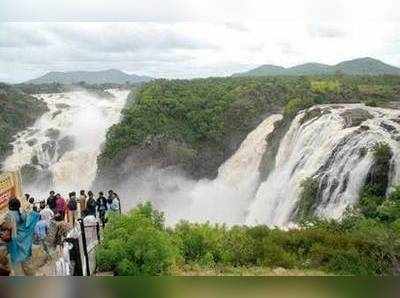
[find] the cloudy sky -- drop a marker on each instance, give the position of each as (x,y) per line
(191,38)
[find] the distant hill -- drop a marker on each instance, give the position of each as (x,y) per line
(361,66)
(91,77)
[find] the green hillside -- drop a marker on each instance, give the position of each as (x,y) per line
(197,124)
(17,111)
(361,66)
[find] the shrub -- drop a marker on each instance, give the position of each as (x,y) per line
(195,241)
(137,244)
(325,86)
(295,105)
(238,247)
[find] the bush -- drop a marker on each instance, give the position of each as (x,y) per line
(325,86)
(295,105)
(137,244)
(199,242)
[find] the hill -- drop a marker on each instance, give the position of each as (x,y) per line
(360,66)
(91,77)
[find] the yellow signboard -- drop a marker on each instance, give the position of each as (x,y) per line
(10,186)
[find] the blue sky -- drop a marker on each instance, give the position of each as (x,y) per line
(185,39)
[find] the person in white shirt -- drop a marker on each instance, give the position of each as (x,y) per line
(45,212)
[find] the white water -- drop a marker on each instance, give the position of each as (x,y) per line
(223,200)
(307,147)
(84,119)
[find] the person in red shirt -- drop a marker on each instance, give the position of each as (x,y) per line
(61,205)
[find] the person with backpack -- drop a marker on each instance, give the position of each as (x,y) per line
(91,205)
(51,201)
(61,205)
(102,208)
(72,207)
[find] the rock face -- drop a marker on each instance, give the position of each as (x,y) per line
(354,117)
(158,153)
(64,145)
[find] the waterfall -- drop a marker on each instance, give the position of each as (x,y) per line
(63,145)
(336,148)
(222,200)
(226,198)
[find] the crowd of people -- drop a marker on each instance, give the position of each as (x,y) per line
(47,222)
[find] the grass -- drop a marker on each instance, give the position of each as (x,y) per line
(195,270)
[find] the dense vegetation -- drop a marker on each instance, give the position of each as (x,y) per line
(206,119)
(138,243)
(17,111)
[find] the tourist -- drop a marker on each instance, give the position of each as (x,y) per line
(51,201)
(45,212)
(110,199)
(41,229)
(82,202)
(91,205)
(21,227)
(61,205)
(102,208)
(32,206)
(72,207)
(57,230)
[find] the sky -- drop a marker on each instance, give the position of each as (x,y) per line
(191,38)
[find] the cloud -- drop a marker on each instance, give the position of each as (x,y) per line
(326,31)
(21,36)
(184,39)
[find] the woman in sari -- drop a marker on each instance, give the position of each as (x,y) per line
(22,227)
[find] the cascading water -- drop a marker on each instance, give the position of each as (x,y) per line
(332,147)
(63,145)
(224,199)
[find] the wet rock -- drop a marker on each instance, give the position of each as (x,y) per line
(52,133)
(333,187)
(362,152)
(64,145)
(31,132)
(35,160)
(314,113)
(387,127)
(32,142)
(396,137)
(378,174)
(55,114)
(50,148)
(62,106)
(396,120)
(354,117)
(29,173)
(345,183)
